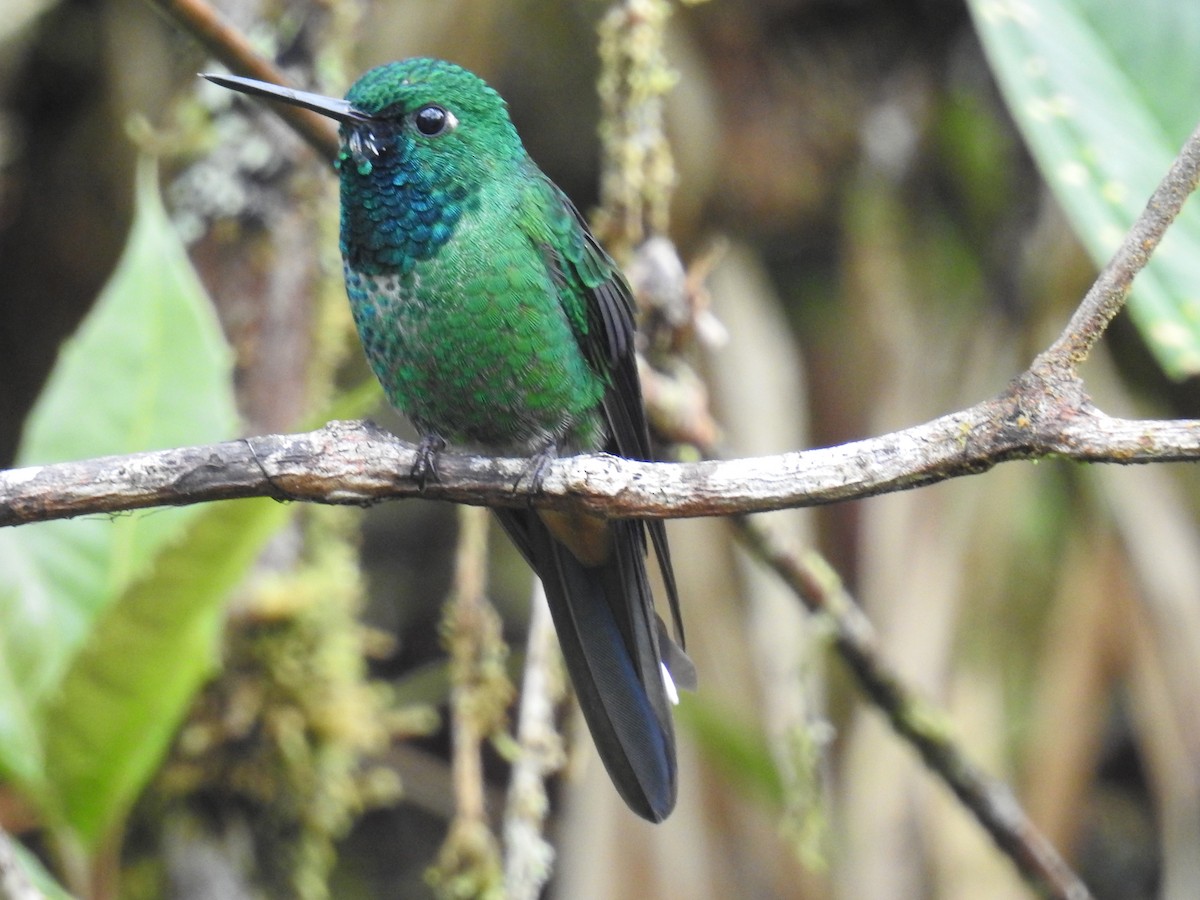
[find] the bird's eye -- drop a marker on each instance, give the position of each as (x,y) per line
(432,120)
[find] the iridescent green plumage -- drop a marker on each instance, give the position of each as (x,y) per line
(493,319)
(466,268)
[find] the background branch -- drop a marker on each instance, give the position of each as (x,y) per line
(924,726)
(469,860)
(230,46)
(528,856)
(1107,294)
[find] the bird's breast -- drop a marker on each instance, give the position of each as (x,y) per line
(472,344)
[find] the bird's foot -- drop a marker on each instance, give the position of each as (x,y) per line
(426,465)
(539,464)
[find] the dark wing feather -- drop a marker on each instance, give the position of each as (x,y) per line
(608,343)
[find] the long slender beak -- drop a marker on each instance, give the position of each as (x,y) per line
(337,109)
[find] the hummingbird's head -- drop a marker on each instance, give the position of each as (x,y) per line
(419,138)
(430,113)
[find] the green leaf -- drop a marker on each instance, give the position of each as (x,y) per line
(127,691)
(148,368)
(1105,94)
(20,743)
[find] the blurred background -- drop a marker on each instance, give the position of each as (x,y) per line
(880,249)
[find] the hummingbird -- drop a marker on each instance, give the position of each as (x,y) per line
(495,321)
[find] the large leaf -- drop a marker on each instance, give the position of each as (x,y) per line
(126,692)
(148,368)
(1105,92)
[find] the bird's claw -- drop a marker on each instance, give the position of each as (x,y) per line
(539,465)
(426,464)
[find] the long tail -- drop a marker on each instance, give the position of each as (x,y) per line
(609,633)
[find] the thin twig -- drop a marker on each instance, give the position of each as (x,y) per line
(528,856)
(1107,295)
(915,719)
(469,859)
(467,619)
(230,46)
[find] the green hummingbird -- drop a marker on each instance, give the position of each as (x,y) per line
(494,320)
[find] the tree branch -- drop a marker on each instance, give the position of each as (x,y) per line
(230,46)
(528,856)
(914,718)
(356,463)
(1107,294)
